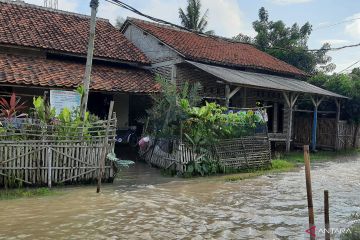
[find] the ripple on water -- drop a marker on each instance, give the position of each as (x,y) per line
(260,208)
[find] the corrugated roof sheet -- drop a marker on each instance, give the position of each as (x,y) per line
(260,80)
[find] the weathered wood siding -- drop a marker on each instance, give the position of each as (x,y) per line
(153,49)
(326,133)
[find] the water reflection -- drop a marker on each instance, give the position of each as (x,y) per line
(142,205)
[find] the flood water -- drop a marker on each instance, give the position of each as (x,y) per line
(144,205)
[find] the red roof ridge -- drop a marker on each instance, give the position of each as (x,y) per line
(213,36)
(29,5)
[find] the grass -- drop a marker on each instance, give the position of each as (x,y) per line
(298,157)
(287,162)
(25,193)
(276,167)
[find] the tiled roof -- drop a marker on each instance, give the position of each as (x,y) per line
(36,27)
(215,50)
(38,71)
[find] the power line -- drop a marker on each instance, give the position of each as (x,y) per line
(335,24)
(134,10)
(350,66)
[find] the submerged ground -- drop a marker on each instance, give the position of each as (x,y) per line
(142,204)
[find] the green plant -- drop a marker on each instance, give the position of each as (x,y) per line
(43,111)
(354,230)
(165,115)
(11,109)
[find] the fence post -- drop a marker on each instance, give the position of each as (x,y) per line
(309,190)
(49,160)
(105,148)
(326,215)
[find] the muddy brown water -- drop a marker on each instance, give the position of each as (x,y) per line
(144,205)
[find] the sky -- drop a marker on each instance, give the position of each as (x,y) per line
(231,17)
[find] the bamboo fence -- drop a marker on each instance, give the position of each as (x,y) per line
(35,154)
(241,153)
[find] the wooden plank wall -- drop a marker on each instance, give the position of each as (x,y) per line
(326,133)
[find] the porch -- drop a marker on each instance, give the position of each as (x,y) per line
(281,96)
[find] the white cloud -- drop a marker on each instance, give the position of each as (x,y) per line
(226,18)
(66,5)
(286,2)
(334,42)
(353,28)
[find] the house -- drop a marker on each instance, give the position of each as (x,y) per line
(43,49)
(236,74)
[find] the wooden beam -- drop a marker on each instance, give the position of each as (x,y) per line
(165,64)
(233,92)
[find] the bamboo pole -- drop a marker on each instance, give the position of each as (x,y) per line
(49,158)
(104,152)
(309,189)
(326,215)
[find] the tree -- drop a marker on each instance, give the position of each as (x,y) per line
(347,85)
(192,18)
(289,44)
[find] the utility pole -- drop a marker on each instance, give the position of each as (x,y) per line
(87,78)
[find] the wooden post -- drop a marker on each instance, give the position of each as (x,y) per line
(275,117)
(49,161)
(316,102)
(244,98)
(314,129)
(290,99)
(173,74)
(227,95)
(90,53)
(309,189)
(326,215)
(338,109)
(105,147)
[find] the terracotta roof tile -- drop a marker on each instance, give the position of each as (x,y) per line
(31,26)
(37,71)
(215,49)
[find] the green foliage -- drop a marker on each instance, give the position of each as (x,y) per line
(166,114)
(24,193)
(281,164)
(70,124)
(288,44)
(204,167)
(43,111)
(354,233)
(80,90)
(176,115)
(191,18)
(345,84)
(205,125)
